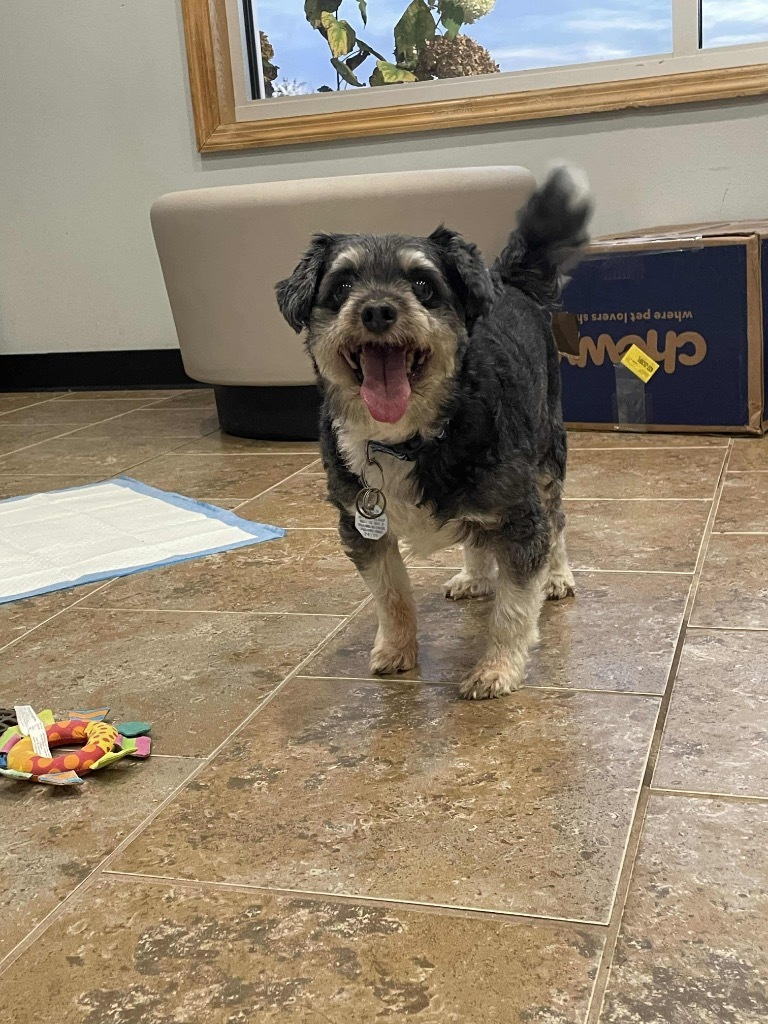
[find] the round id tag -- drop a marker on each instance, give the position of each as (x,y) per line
(372,529)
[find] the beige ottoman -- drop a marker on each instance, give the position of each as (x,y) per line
(223,249)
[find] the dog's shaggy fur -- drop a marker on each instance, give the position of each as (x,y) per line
(414,340)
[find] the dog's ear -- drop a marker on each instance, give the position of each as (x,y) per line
(296,294)
(466,273)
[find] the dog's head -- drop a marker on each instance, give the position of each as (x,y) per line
(386,316)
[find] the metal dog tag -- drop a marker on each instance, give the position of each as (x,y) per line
(370,519)
(372,529)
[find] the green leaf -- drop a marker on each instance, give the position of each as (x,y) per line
(415,28)
(369,49)
(341,35)
(357,59)
(452,17)
(314,10)
(346,73)
(363,10)
(390,74)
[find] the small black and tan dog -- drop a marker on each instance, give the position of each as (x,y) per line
(441,411)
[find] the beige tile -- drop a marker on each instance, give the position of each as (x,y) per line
(10,401)
(643,473)
(733,590)
(749,454)
(193,676)
(230,476)
(16,435)
(55,839)
(13,485)
(152,954)
(114,395)
(715,736)
(693,948)
(660,536)
(154,423)
(300,502)
(743,503)
(77,455)
(632,439)
(195,398)
(19,617)
(227,444)
(74,414)
(306,571)
(395,791)
(617,634)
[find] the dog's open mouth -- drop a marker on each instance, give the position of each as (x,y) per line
(386,375)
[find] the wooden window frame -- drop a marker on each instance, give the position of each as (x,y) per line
(217,128)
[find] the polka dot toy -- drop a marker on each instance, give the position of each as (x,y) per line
(100,744)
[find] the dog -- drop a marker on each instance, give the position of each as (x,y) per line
(441,420)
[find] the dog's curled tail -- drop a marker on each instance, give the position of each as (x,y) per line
(551,229)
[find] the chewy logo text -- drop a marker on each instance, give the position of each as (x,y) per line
(688,347)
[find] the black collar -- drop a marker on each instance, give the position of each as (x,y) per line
(406,451)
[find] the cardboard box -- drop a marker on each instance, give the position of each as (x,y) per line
(691,298)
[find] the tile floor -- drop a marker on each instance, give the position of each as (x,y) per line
(311,845)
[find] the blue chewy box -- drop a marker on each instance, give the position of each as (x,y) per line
(691,299)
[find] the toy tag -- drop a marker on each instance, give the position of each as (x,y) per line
(30,725)
(639,363)
(372,529)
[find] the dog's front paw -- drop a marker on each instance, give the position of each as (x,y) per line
(463,585)
(489,681)
(388,658)
(560,585)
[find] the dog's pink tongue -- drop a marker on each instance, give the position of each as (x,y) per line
(386,390)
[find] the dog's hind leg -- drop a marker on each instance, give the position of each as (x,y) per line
(380,564)
(477,578)
(523,567)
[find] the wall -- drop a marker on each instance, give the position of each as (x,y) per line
(96,124)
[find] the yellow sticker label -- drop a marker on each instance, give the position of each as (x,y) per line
(639,363)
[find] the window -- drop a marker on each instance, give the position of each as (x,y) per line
(271,72)
(734,22)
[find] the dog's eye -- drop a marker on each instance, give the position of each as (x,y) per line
(423,290)
(342,292)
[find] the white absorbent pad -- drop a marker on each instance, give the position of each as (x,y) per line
(84,534)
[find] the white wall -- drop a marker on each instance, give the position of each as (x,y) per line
(96,124)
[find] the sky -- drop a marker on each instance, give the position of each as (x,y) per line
(520,34)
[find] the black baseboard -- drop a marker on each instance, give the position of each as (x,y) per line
(57,371)
(270,414)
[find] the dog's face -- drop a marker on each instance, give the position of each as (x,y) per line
(386,315)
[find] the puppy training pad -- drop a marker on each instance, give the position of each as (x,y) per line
(83,534)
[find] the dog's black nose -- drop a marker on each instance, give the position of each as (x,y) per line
(378,317)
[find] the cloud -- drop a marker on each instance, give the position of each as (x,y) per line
(716,12)
(543,56)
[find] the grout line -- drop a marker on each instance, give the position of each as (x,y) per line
(592,570)
(732,629)
(383,901)
(741,798)
(454,683)
(20,408)
(573,449)
(13,954)
(69,607)
(632,848)
(243,455)
(740,533)
(208,611)
(745,472)
(596,498)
